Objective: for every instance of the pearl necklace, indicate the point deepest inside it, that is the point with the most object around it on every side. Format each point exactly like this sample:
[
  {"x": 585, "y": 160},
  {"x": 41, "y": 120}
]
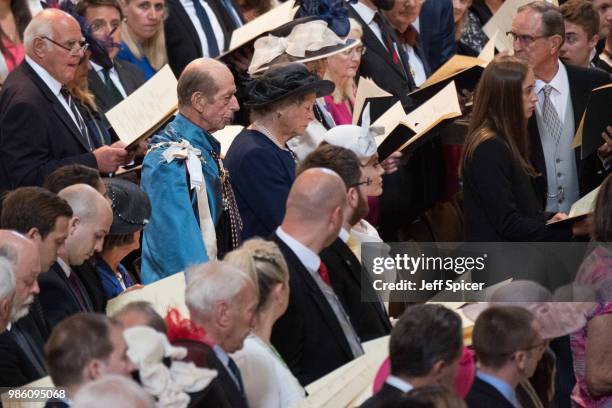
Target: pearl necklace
[{"x": 264, "y": 131}]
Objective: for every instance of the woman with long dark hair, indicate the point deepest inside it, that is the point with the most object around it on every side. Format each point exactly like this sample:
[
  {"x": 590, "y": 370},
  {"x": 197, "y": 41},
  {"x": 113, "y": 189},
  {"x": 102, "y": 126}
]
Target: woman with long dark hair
[
  {"x": 14, "y": 17},
  {"x": 500, "y": 201}
]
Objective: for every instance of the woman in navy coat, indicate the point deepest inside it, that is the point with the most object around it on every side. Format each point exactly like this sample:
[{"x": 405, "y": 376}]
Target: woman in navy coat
[{"x": 261, "y": 166}]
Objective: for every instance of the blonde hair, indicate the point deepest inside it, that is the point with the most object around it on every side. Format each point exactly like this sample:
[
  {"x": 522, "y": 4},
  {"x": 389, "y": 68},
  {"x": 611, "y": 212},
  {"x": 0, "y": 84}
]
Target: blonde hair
[
  {"x": 154, "y": 49},
  {"x": 264, "y": 263},
  {"x": 348, "y": 90}
]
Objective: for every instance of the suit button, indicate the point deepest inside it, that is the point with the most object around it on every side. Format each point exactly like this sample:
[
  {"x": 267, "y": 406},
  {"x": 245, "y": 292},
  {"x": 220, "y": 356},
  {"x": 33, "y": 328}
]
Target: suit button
[
  {"x": 558, "y": 160},
  {"x": 558, "y": 174}
]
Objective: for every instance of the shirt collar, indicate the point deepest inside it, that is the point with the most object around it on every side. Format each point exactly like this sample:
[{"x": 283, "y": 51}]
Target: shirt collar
[
  {"x": 557, "y": 82},
  {"x": 52, "y": 83},
  {"x": 8, "y": 326},
  {"x": 344, "y": 235},
  {"x": 398, "y": 383},
  {"x": 221, "y": 354},
  {"x": 417, "y": 26},
  {"x": 65, "y": 267},
  {"x": 309, "y": 259},
  {"x": 500, "y": 385},
  {"x": 97, "y": 67},
  {"x": 366, "y": 13}
]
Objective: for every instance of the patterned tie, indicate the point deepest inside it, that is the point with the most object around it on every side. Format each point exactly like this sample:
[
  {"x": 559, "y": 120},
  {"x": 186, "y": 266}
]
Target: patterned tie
[
  {"x": 76, "y": 289},
  {"x": 324, "y": 274},
  {"x": 211, "y": 40},
  {"x": 549, "y": 115},
  {"x": 116, "y": 94},
  {"x": 387, "y": 39},
  {"x": 77, "y": 116}
]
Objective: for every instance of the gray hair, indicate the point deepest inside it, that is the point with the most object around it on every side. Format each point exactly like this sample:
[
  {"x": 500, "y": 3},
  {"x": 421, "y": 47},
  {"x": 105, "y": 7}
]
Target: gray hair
[
  {"x": 41, "y": 25},
  {"x": 211, "y": 283},
  {"x": 7, "y": 278},
  {"x": 198, "y": 76},
  {"x": 112, "y": 391},
  {"x": 552, "y": 19}
]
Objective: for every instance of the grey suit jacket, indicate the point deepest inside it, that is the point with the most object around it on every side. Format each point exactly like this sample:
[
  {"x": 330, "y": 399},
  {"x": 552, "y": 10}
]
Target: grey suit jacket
[{"x": 130, "y": 76}]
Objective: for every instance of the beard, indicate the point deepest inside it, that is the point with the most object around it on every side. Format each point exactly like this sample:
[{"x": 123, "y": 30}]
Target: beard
[
  {"x": 21, "y": 310},
  {"x": 384, "y": 4},
  {"x": 361, "y": 211}
]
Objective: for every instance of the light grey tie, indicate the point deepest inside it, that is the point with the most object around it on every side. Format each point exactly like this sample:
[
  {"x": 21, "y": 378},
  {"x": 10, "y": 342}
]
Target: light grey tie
[{"x": 549, "y": 115}]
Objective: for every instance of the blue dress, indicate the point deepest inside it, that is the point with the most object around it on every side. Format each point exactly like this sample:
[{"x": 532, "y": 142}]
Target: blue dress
[
  {"x": 142, "y": 63},
  {"x": 172, "y": 240},
  {"x": 261, "y": 174},
  {"x": 110, "y": 282}
]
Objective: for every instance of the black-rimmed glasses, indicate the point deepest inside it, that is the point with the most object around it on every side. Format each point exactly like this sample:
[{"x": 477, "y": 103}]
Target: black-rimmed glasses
[
  {"x": 74, "y": 49},
  {"x": 367, "y": 182}
]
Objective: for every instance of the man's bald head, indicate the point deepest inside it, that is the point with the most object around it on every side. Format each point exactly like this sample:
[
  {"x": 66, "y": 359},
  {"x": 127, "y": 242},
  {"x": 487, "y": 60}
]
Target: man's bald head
[
  {"x": 315, "y": 194},
  {"x": 46, "y": 23},
  {"x": 200, "y": 75},
  {"x": 91, "y": 222},
  {"x": 22, "y": 253}
]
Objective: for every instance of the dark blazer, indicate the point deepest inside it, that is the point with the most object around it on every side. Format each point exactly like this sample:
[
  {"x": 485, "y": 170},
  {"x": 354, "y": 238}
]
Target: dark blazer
[
  {"x": 93, "y": 285},
  {"x": 499, "y": 200},
  {"x": 437, "y": 31},
  {"x": 54, "y": 403},
  {"x": 57, "y": 297},
  {"x": 130, "y": 76},
  {"x": 483, "y": 395},
  {"x": 21, "y": 351},
  {"x": 261, "y": 175},
  {"x": 182, "y": 41},
  {"x": 222, "y": 392},
  {"x": 37, "y": 134},
  {"x": 590, "y": 170},
  {"x": 378, "y": 65},
  {"x": 308, "y": 336},
  {"x": 369, "y": 319},
  {"x": 386, "y": 395}
]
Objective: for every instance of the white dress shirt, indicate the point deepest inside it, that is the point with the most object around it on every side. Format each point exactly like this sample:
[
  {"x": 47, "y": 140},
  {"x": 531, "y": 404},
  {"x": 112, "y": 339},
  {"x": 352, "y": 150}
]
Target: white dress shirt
[
  {"x": 214, "y": 23},
  {"x": 65, "y": 267},
  {"x": 367, "y": 15},
  {"x": 558, "y": 95},
  {"x": 398, "y": 383},
  {"x": 415, "y": 61},
  {"x": 307, "y": 257},
  {"x": 54, "y": 85},
  {"x": 114, "y": 76},
  {"x": 344, "y": 235}
]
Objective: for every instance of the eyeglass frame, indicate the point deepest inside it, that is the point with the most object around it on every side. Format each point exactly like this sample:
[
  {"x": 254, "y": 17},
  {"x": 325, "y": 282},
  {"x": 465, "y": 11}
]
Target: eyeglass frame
[
  {"x": 368, "y": 182},
  {"x": 83, "y": 45},
  {"x": 526, "y": 39},
  {"x": 351, "y": 51}
]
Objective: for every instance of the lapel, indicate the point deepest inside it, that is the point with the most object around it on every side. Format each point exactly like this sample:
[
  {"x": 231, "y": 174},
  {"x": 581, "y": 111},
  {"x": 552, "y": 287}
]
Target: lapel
[
  {"x": 99, "y": 88},
  {"x": 354, "y": 266},
  {"x": 185, "y": 21},
  {"x": 373, "y": 43},
  {"x": 418, "y": 49},
  {"x": 29, "y": 347},
  {"x": 316, "y": 295},
  {"x": 62, "y": 275},
  {"x": 229, "y": 387},
  {"x": 57, "y": 106},
  {"x": 127, "y": 81}
]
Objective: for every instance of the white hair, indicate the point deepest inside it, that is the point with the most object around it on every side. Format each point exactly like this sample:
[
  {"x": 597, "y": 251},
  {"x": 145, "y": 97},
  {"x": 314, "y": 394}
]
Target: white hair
[
  {"x": 211, "y": 283},
  {"x": 7, "y": 278},
  {"x": 40, "y": 26},
  {"x": 112, "y": 391}
]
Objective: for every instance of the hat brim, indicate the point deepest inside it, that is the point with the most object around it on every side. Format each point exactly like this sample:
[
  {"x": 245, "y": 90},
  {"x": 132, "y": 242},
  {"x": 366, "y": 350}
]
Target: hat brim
[
  {"x": 309, "y": 55},
  {"x": 321, "y": 87}
]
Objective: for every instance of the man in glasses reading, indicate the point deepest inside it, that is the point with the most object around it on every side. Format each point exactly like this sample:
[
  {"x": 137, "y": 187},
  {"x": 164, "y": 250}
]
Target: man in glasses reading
[{"x": 41, "y": 128}]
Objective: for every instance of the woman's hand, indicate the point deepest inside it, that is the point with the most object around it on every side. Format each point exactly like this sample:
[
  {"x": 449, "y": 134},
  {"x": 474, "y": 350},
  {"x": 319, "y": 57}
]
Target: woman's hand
[
  {"x": 391, "y": 164},
  {"x": 558, "y": 217},
  {"x": 134, "y": 287}
]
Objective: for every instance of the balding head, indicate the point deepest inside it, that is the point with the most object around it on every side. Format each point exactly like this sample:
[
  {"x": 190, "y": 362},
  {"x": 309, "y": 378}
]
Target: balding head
[
  {"x": 54, "y": 25},
  {"x": 21, "y": 252},
  {"x": 89, "y": 225},
  {"x": 315, "y": 204},
  {"x": 206, "y": 94}
]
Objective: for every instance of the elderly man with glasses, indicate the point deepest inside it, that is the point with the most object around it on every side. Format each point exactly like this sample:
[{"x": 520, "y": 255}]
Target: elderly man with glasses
[{"x": 41, "y": 128}]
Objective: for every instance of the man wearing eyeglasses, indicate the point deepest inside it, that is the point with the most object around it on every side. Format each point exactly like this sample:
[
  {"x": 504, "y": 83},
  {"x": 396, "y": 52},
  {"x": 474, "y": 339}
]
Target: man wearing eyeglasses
[
  {"x": 110, "y": 79},
  {"x": 40, "y": 127},
  {"x": 538, "y": 33}
]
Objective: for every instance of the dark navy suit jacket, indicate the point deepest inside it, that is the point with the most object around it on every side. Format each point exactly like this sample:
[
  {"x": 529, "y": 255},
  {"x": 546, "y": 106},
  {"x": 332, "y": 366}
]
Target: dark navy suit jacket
[
  {"x": 261, "y": 175},
  {"x": 437, "y": 32}
]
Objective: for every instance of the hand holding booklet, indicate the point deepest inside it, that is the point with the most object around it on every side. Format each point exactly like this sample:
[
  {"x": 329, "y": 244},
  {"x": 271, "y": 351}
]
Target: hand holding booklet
[
  {"x": 580, "y": 209},
  {"x": 406, "y": 132},
  {"x": 142, "y": 113}
]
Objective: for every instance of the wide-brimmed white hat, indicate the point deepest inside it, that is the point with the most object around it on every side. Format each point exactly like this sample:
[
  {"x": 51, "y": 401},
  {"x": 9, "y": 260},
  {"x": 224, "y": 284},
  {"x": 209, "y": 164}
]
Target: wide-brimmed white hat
[{"x": 309, "y": 41}]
